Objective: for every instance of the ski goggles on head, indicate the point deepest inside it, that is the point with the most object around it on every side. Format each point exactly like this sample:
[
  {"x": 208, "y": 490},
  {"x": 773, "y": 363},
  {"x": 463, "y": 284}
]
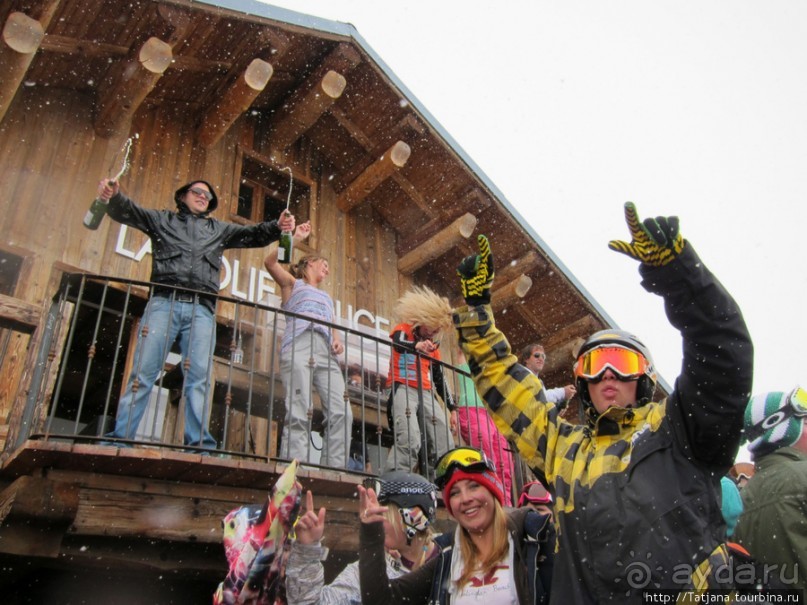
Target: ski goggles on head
[
  {"x": 627, "y": 364},
  {"x": 534, "y": 493},
  {"x": 466, "y": 458},
  {"x": 796, "y": 407}
]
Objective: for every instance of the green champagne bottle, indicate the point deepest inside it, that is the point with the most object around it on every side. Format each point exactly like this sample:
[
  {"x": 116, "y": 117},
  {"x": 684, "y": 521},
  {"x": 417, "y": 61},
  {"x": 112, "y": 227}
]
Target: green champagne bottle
[
  {"x": 285, "y": 247},
  {"x": 95, "y": 214}
]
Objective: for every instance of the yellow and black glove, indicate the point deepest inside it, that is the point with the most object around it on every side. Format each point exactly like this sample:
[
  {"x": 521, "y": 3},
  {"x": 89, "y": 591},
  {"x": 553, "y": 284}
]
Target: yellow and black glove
[
  {"x": 476, "y": 274},
  {"x": 655, "y": 242}
]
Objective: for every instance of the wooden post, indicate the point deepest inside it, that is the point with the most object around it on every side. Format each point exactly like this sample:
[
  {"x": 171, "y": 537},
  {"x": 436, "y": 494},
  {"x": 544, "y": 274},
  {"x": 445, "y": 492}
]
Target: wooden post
[
  {"x": 562, "y": 356},
  {"x": 300, "y": 114},
  {"x": 22, "y": 36},
  {"x": 234, "y": 102},
  {"x": 393, "y": 159},
  {"x": 128, "y": 84},
  {"x": 528, "y": 263},
  {"x": 438, "y": 244},
  {"x": 510, "y": 293}
]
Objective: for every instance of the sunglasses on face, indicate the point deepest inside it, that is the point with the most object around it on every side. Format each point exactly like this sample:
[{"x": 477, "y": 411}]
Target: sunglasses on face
[
  {"x": 539, "y": 355},
  {"x": 796, "y": 407},
  {"x": 534, "y": 493},
  {"x": 626, "y": 364},
  {"x": 202, "y": 193},
  {"x": 466, "y": 458}
]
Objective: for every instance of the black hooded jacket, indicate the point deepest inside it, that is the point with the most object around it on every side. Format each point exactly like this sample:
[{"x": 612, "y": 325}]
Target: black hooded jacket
[{"x": 187, "y": 248}]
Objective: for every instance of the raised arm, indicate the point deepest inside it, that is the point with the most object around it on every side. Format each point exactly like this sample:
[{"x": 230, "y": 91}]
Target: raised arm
[
  {"x": 413, "y": 587},
  {"x": 515, "y": 396},
  {"x": 279, "y": 273},
  {"x": 305, "y": 576},
  {"x": 707, "y": 404},
  {"x": 124, "y": 210}
]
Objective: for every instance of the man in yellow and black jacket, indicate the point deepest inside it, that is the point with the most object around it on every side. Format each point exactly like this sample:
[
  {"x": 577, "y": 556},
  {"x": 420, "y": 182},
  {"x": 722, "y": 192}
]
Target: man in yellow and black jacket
[{"x": 635, "y": 486}]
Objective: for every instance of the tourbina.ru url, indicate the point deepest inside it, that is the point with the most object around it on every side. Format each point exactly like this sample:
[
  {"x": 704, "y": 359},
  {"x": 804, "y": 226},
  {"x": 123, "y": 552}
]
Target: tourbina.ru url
[{"x": 790, "y": 596}]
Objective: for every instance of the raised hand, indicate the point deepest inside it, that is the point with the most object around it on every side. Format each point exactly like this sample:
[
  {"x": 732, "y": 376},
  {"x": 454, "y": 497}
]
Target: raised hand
[
  {"x": 107, "y": 188},
  {"x": 302, "y": 231},
  {"x": 655, "y": 242},
  {"x": 310, "y": 526},
  {"x": 286, "y": 221},
  {"x": 476, "y": 274},
  {"x": 370, "y": 511}
]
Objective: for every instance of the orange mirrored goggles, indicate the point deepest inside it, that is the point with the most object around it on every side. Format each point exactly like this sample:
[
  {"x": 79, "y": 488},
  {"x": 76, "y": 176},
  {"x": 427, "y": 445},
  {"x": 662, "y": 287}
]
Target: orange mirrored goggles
[
  {"x": 626, "y": 363},
  {"x": 466, "y": 458}
]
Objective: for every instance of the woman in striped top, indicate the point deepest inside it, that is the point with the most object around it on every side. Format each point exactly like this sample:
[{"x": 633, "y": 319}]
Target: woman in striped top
[{"x": 308, "y": 358}]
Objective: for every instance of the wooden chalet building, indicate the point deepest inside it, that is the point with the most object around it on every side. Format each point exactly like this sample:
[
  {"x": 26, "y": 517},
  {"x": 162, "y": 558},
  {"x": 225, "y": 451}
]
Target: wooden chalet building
[{"x": 233, "y": 92}]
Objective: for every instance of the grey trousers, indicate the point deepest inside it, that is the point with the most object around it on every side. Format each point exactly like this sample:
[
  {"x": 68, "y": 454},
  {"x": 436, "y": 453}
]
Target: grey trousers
[
  {"x": 407, "y": 413},
  {"x": 310, "y": 365}
]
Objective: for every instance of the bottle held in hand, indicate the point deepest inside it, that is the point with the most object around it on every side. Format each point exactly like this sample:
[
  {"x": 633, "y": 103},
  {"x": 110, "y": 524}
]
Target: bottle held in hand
[
  {"x": 95, "y": 214},
  {"x": 285, "y": 247}
]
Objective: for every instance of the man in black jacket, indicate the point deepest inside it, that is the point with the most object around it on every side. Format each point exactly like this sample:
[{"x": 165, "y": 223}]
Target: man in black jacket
[
  {"x": 636, "y": 486},
  {"x": 186, "y": 253}
]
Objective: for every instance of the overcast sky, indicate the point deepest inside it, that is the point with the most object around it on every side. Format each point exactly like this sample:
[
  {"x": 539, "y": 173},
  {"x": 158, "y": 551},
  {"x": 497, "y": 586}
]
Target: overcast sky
[{"x": 684, "y": 107}]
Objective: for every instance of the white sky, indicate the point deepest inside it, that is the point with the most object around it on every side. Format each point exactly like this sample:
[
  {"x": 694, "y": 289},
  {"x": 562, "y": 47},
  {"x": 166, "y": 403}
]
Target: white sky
[{"x": 573, "y": 107}]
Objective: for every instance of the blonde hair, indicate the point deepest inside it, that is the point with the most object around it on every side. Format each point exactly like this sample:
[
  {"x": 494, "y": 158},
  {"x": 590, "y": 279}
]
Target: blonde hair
[
  {"x": 474, "y": 564},
  {"x": 423, "y": 538},
  {"x": 298, "y": 270},
  {"x": 421, "y": 306}
]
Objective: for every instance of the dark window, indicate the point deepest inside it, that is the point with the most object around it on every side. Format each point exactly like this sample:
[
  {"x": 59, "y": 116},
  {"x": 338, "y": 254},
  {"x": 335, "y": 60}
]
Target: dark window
[{"x": 263, "y": 193}]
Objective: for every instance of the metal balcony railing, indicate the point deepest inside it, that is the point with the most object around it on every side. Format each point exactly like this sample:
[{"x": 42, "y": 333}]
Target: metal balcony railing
[{"x": 87, "y": 355}]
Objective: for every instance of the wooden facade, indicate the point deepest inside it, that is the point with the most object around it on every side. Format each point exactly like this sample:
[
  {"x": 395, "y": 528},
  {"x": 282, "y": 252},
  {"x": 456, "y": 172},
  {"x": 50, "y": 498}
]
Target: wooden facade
[{"x": 233, "y": 92}]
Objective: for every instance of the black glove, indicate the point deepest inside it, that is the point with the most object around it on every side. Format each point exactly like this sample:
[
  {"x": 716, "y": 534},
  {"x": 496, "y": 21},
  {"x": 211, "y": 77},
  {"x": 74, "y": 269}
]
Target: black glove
[
  {"x": 655, "y": 242},
  {"x": 476, "y": 274}
]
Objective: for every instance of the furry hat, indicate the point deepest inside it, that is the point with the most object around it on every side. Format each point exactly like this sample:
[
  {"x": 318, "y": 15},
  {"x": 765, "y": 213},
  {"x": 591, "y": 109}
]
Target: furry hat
[{"x": 421, "y": 306}]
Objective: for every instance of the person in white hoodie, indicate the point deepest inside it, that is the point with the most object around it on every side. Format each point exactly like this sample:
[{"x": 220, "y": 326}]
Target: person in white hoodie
[{"x": 408, "y": 542}]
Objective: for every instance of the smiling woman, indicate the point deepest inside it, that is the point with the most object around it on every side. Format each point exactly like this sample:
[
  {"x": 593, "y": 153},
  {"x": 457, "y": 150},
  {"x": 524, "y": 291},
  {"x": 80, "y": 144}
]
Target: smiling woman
[{"x": 504, "y": 556}]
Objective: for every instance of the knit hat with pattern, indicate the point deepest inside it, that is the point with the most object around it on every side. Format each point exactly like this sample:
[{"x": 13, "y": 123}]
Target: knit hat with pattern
[
  {"x": 486, "y": 479},
  {"x": 769, "y": 411}
]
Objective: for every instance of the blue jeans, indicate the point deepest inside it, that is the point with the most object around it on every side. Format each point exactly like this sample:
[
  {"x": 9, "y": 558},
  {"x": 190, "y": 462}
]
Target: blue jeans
[{"x": 164, "y": 322}]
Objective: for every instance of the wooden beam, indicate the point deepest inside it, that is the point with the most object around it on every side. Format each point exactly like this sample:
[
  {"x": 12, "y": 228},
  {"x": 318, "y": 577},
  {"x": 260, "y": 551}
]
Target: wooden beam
[
  {"x": 177, "y": 23},
  {"x": 300, "y": 113},
  {"x": 313, "y": 97},
  {"x": 437, "y": 245},
  {"x": 128, "y": 84},
  {"x": 35, "y": 514},
  {"x": 19, "y": 315},
  {"x": 22, "y": 36},
  {"x": 72, "y": 46},
  {"x": 582, "y": 327},
  {"x": 528, "y": 263},
  {"x": 234, "y": 102},
  {"x": 562, "y": 357},
  {"x": 408, "y": 124},
  {"x": 510, "y": 293},
  {"x": 393, "y": 159}
]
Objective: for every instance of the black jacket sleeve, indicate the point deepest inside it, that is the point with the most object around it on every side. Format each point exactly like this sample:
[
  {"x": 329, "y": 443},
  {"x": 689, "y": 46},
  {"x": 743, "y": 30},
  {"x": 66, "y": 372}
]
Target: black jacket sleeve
[
  {"x": 401, "y": 343},
  {"x": 707, "y": 404},
  {"x": 438, "y": 378},
  {"x": 376, "y": 588}
]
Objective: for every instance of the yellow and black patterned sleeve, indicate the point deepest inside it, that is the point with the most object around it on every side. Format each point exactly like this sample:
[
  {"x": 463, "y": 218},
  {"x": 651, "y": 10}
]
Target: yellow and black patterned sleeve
[{"x": 514, "y": 395}]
